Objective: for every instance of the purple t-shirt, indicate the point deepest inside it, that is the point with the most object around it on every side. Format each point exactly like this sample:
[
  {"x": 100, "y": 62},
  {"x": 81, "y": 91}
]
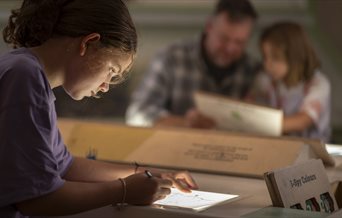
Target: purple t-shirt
[{"x": 33, "y": 157}]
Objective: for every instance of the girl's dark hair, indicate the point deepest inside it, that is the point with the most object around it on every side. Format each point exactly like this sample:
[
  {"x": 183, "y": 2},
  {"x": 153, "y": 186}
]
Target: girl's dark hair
[
  {"x": 39, "y": 20},
  {"x": 290, "y": 41}
]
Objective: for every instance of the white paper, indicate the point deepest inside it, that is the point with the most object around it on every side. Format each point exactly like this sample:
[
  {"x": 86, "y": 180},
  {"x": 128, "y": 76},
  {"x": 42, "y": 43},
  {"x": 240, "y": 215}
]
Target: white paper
[
  {"x": 196, "y": 200},
  {"x": 335, "y": 150},
  {"x": 239, "y": 116}
]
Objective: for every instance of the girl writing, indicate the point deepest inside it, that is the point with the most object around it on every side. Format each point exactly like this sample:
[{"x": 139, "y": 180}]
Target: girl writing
[{"x": 84, "y": 46}]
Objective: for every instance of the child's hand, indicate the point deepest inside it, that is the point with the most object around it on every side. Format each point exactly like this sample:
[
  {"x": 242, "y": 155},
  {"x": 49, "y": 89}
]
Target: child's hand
[
  {"x": 181, "y": 180},
  {"x": 142, "y": 190}
]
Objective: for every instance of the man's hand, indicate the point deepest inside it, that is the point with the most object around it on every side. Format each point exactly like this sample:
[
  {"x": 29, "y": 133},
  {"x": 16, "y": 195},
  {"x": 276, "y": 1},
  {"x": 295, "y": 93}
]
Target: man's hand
[{"x": 195, "y": 119}]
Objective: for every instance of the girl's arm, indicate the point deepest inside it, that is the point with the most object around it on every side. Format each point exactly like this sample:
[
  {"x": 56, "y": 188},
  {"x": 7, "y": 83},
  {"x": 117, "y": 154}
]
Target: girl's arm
[
  {"x": 297, "y": 122},
  {"x": 85, "y": 170},
  {"x": 73, "y": 197},
  {"x": 76, "y": 197},
  {"x": 315, "y": 107}
]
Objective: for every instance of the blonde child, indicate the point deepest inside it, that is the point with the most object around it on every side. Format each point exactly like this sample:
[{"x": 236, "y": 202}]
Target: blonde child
[{"x": 293, "y": 81}]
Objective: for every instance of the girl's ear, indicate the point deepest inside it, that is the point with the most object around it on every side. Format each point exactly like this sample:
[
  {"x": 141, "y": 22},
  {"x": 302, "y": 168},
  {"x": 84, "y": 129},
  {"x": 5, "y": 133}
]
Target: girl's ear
[{"x": 86, "y": 40}]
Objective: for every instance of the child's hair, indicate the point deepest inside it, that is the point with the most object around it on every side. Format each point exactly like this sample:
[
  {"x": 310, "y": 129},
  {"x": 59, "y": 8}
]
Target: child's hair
[
  {"x": 39, "y": 20},
  {"x": 291, "y": 42}
]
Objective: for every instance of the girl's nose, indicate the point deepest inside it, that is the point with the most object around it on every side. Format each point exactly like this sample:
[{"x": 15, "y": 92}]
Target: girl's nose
[{"x": 104, "y": 87}]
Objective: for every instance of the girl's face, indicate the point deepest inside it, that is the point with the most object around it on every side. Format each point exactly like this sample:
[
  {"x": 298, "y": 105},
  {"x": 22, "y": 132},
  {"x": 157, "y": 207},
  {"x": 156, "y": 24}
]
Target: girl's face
[
  {"x": 92, "y": 73},
  {"x": 274, "y": 63}
]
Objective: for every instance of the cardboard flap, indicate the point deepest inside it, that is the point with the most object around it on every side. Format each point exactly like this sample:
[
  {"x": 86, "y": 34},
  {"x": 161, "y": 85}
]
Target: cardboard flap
[
  {"x": 201, "y": 150},
  {"x": 215, "y": 152}
]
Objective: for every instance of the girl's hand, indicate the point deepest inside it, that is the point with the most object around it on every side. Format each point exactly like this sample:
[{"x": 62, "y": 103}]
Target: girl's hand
[
  {"x": 142, "y": 190},
  {"x": 181, "y": 180}
]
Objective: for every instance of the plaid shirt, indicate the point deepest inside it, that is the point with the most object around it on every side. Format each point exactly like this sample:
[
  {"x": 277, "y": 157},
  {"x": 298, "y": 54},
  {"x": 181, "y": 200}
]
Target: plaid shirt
[{"x": 175, "y": 74}]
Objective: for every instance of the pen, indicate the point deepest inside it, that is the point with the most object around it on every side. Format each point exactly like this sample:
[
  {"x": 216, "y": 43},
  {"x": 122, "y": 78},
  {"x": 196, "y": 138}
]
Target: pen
[{"x": 148, "y": 173}]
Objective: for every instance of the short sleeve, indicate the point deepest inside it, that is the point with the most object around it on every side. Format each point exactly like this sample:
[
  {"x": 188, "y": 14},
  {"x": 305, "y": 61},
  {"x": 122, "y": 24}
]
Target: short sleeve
[
  {"x": 317, "y": 98},
  {"x": 33, "y": 157}
]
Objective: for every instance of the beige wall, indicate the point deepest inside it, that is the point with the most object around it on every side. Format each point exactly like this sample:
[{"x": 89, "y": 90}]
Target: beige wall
[{"x": 329, "y": 19}]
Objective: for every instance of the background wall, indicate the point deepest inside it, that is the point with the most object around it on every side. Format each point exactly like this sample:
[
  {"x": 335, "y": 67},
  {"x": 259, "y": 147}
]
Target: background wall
[
  {"x": 328, "y": 36},
  {"x": 160, "y": 22}
]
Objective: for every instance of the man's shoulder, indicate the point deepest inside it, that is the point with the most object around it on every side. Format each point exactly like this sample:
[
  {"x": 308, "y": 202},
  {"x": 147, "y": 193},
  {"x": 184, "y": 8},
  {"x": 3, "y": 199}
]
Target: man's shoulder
[{"x": 185, "y": 45}]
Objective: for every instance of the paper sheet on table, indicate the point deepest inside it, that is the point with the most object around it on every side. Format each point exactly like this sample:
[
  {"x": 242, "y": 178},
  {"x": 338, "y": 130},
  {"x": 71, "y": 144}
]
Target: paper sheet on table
[
  {"x": 196, "y": 200},
  {"x": 335, "y": 150}
]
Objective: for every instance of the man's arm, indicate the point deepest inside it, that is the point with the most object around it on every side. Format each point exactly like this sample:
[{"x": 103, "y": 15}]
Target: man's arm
[
  {"x": 193, "y": 119},
  {"x": 171, "y": 120}
]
